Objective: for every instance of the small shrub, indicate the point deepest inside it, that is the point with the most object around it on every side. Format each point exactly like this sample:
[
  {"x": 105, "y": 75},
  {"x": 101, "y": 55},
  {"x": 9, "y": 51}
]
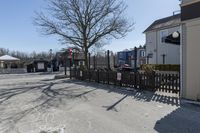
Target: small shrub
[{"x": 160, "y": 67}]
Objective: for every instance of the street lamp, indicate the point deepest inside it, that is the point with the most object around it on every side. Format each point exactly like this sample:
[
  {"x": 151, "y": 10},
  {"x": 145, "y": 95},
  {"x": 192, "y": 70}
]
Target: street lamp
[{"x": 175, "y": 35}]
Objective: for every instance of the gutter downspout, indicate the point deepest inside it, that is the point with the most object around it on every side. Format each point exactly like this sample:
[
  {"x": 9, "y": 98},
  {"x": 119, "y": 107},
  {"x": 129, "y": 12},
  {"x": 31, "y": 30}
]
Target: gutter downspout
[{"x": 181, "y": 60}]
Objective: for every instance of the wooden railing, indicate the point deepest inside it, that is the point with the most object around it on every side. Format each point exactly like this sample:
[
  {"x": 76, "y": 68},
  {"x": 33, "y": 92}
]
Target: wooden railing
[{"x": 164, "y": 82}]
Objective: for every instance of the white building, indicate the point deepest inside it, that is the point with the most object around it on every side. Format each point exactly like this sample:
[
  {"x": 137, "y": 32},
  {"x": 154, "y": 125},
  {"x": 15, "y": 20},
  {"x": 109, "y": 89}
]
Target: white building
[
  {"x": 190, "y": 16},
  {"x": 157, "y": 50}
]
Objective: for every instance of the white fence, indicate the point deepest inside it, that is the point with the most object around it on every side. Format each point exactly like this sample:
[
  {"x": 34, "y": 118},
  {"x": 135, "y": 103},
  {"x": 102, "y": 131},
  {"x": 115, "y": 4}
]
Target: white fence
[{"x": 13, "y": 71}]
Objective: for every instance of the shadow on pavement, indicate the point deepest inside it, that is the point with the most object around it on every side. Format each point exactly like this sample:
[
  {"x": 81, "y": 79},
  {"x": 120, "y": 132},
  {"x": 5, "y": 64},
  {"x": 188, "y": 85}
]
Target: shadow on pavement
[
  {"x": 51, "y": 96},
  {"x": 139, "y": 95},
  {"x": 185, "y": 119}
]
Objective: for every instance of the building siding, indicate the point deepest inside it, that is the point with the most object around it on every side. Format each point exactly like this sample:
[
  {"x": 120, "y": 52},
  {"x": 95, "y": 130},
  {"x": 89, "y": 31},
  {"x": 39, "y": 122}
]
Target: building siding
[
  {"x": 191, "y": 85},
  {"x": 158, "y": 48}
]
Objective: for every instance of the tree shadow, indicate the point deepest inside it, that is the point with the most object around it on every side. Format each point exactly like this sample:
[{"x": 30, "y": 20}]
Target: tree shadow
[
  {"x": 185, "y": 119},
  {"x": 113, "y": 107},
  {"x": 6, "y": 94},
  {"x": 49, "y": 97},
  {"x": 137, "y": 94}
]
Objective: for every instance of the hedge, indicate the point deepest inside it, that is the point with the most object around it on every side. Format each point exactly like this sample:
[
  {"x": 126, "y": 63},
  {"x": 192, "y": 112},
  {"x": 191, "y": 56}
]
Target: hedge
[{"x": 161, "y": 67}]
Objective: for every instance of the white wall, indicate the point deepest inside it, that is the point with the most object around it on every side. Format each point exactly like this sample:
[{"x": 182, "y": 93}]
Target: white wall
[
  {"x": 171, "y": 51},
  {"x": 158, "y": 48},
  {"x": 151, "y": 46},
  {"x": 191, "y": 62}
]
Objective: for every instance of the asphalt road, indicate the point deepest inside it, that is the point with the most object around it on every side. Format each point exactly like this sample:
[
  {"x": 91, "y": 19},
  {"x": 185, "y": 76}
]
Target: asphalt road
[{"x": 32, "y": 103}]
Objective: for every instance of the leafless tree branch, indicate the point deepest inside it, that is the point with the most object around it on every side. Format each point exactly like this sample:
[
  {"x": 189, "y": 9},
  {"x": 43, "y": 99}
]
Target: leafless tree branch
[{"x": 84, "y": 23}]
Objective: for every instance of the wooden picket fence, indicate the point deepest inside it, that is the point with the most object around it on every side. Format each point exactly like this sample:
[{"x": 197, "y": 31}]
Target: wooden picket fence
[{"x": 153, "y": 82}]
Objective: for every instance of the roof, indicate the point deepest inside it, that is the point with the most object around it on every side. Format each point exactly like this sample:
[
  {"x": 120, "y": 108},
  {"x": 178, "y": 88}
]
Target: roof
[
  {"x": 36, "y": 61},
  {"x": 165, "y": 22},
  {"x": 8, "y": 58}
]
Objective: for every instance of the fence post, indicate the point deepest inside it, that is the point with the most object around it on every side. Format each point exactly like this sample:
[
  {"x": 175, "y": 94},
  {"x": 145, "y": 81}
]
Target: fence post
[
  {"x": 94, "y": 61},
  {"x": 98, "y": 76},
  {"x": 135, "y": 66},
  {"x": 70, "y": 69},
  {"x": 65, "y": 66},
  {"x": 152, "y": 81},
  {"x": 108, "y": 58},
  {"x": 135, "y": 57},
  {"x": 89, "y": 68},
  {"x": 114, "y": 62},
  {"x": 89, "y": 61}
]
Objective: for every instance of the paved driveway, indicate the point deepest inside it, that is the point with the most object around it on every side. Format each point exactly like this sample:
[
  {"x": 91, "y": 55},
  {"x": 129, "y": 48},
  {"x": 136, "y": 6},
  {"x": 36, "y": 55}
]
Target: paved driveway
[{"x": 32, "y": 103}]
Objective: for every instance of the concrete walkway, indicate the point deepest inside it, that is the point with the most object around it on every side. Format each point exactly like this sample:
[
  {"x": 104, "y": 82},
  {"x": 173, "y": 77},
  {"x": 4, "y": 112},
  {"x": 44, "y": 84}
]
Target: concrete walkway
[{"x": 36, "y": 103}]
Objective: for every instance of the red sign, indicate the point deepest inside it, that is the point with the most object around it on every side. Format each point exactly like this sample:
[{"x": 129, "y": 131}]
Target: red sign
[{"x": 70, "y": 53}]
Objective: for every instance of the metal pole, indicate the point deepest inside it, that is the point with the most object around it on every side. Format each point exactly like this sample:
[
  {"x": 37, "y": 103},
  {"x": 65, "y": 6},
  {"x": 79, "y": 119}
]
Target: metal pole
[
  {"x": 89, "y": 61},
  {"x": 65, "y": 61},
  {"x": 51, "y": 60},
  {"x": 135, "y": 57},
  {"x": 73, "y": 61},
  {"x": 108, "y": 57},
  {"x": 94, "y": 61},
  {"x": 114, "y": 62},
  {"x": 135, "y": 67},
  {"x": 70, "y": 69}
]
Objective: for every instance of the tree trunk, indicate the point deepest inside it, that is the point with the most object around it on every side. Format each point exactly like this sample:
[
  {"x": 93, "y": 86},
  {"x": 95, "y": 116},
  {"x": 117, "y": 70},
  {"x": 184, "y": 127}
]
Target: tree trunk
[{"x": 86, "y": 58}]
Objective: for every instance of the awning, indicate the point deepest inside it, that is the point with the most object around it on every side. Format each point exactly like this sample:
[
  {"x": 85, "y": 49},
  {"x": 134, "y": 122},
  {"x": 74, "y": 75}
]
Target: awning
[
  {"x": 170, "y": 39},
  {"x": 8, "y": 58}
]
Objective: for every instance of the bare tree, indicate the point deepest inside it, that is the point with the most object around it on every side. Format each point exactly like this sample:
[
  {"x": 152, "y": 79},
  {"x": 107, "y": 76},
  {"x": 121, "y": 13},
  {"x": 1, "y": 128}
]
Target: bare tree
[{"x": 84, "y": 23}]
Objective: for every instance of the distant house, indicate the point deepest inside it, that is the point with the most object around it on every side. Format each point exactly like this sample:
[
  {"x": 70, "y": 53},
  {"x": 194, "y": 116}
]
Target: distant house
[
  {"x": 37, "y": 65},
  {"x": 9, "y": 64},
  {"x": 141, "y": 55},
  {"x": 63, "y": 58},
  {"x": 124, "y": 57},
  {"x": 161, "y": 48},
  {"x": 128, "y": 57},
  {"x": 8, "y": 61}
]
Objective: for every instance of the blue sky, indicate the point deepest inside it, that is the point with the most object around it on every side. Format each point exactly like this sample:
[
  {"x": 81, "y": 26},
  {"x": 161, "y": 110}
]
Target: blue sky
[{"x": 17, "y": 31}]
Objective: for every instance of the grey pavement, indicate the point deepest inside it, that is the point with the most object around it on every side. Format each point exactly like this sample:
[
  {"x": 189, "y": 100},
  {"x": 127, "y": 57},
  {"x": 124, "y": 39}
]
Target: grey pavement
[{"x": 37, "y": 103}]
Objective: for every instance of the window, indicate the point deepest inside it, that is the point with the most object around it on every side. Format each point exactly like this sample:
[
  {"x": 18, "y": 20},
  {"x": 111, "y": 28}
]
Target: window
[
  {"x": 142, "y": 53},
  {"x": 163, "y": 35},
  {"x": 150, "y": 55},
  {"x": 121, "y": 55}
]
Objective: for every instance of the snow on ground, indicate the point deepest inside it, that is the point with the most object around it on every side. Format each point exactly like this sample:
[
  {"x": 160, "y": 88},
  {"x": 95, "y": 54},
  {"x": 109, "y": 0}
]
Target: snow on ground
[{"x": 36, "y": 103}]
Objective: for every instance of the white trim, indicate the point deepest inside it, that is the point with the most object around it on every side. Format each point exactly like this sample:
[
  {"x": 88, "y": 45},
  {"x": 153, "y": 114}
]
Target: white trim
[
  {"x": 181, "y": 61},
  {"x": 163, "y": 28}
]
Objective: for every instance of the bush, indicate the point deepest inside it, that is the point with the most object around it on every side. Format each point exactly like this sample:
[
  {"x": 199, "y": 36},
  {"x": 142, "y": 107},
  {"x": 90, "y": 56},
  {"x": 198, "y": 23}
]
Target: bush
[
  {"x": 160, "y": 67},
  {"x": 149, "y": 69},
  {"x": 83, "y": 68}
]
